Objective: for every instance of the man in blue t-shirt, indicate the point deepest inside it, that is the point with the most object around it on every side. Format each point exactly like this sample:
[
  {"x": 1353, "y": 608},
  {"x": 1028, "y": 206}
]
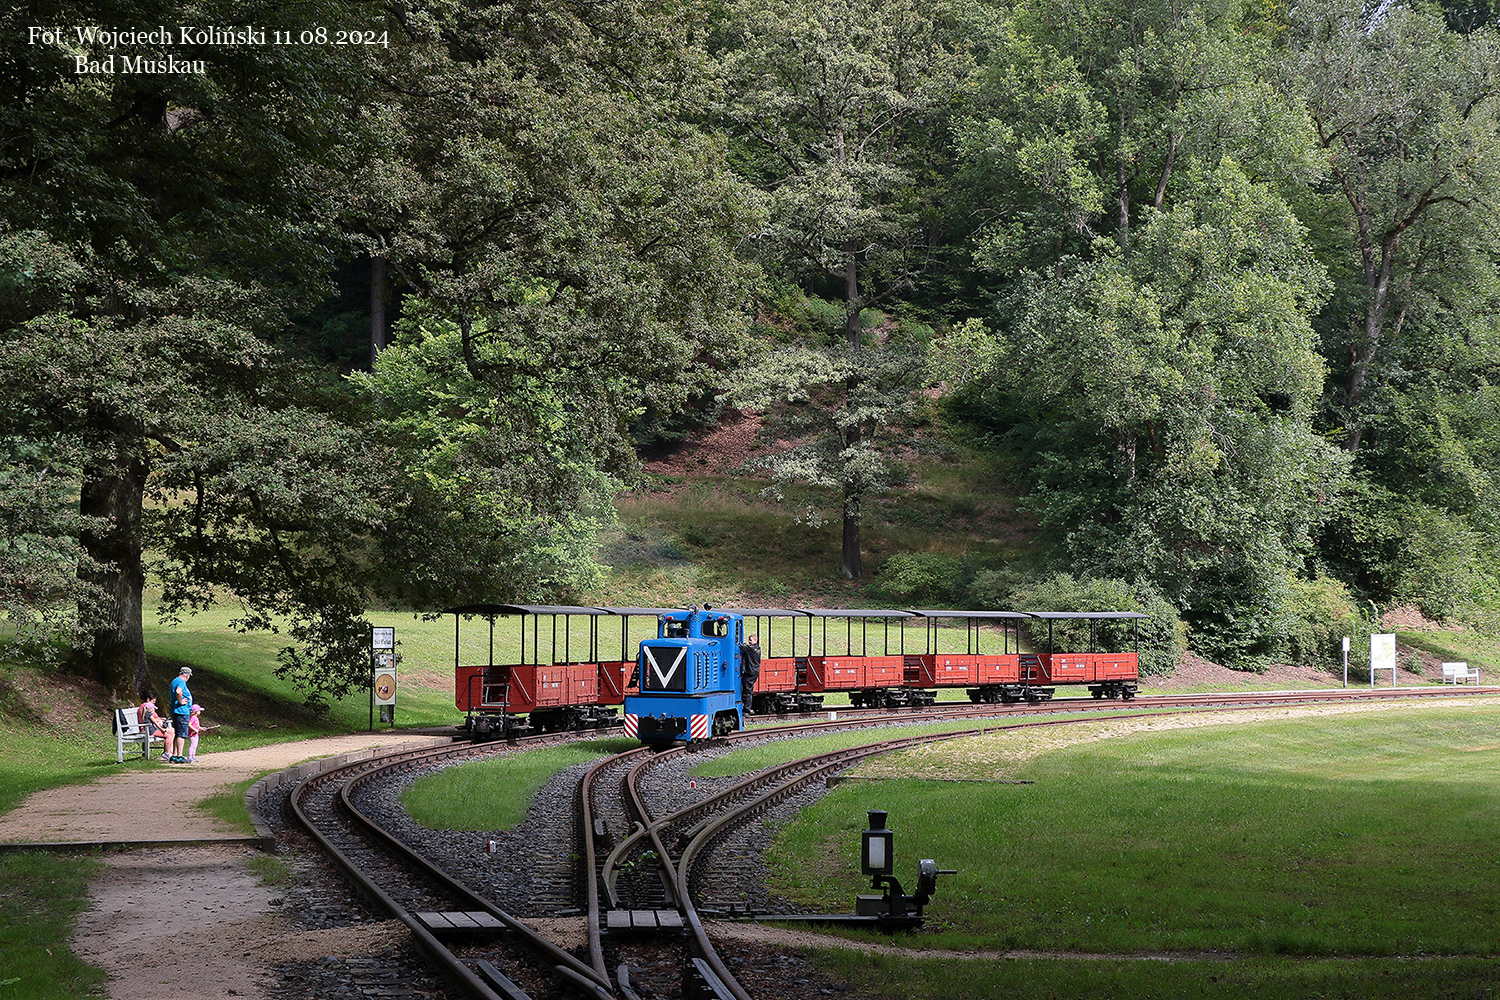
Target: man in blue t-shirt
[{"x": 182, "y": 714}]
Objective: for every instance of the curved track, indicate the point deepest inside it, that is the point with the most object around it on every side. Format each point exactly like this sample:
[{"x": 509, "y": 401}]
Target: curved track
[{"x": 639, "y": 865}]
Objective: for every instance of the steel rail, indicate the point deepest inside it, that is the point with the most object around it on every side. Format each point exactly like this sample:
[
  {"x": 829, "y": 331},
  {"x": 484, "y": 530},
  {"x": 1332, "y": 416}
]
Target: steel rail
[
  {"x": 438, "y": 953},
  {"x": 797, "y": 774},
  {"x": 562, "y": 961},
  {"x": 588, "y": 831},
  {"x": 951, "y": 710}
]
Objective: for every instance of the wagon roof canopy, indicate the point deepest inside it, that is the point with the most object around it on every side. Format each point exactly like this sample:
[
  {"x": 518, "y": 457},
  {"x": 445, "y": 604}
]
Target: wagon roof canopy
[
  {"x": 856, "y": 613},
  {"x": 944, "y": 613},
  {"x": 642, "y": 611},
  {"x": 1088, "y": 614},
  {"x": 522, "y": 609},
  {"x": 764, "y": 612}
]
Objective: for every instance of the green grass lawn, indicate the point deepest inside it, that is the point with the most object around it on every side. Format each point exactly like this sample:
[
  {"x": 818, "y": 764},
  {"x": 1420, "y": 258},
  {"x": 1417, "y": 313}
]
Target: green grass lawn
[
  {"x": 494, "y": 794},
  {"x": 41, "y": 896},
  {"x": 1352, "y": 838},
  {"x": 1212, "y": 978}
]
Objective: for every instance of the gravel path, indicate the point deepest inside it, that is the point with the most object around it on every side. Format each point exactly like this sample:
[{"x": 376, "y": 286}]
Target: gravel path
[
  {"x": 191, "y": 920},
  {"x": 155, "y": 802}
]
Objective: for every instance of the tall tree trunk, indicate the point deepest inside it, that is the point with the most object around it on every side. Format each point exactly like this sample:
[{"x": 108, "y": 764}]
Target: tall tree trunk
[
  {"x": 1378, "y": 264},
  {"x": 380, "y": 328},
  {"x": 111, "y": 498},
  {"x": 1122, "y": 182},
  {"x": 850, "y": 563}
]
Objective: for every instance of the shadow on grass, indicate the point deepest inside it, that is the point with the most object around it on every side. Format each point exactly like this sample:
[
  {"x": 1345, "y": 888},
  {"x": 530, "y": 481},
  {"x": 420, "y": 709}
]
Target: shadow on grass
[{"x": 237, "y": 704}]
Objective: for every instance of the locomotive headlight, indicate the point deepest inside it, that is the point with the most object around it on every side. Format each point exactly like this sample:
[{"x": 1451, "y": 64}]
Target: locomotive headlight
[{"x": 875, "y": 846}]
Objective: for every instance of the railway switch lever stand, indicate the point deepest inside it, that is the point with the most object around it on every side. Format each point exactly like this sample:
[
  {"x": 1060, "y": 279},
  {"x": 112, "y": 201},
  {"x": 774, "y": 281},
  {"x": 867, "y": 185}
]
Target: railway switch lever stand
[{"x": 893, "y": 909}]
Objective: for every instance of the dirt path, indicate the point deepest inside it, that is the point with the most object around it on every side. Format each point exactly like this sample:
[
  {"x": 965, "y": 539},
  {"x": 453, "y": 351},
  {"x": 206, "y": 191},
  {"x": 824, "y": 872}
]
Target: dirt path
[
  {"x": 190, "y": 921},
  {"x": 151, "y": 802},
  {"x": 196, "y": 922}
]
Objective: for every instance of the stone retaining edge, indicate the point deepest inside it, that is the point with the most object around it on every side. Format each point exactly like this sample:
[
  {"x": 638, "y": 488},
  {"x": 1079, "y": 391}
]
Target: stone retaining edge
[
  {"x": 267, "y": 844},
  {"x": 301, "y": 772}
]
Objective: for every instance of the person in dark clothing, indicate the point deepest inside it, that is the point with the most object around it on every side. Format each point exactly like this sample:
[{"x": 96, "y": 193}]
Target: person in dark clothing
[{"x": 749, "y": 669}]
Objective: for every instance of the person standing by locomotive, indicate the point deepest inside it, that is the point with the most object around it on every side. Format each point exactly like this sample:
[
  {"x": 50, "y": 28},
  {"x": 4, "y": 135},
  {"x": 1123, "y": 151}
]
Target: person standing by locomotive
[
  {"x": 182, "y": 714},
  {"x": 749, "y": 669}
]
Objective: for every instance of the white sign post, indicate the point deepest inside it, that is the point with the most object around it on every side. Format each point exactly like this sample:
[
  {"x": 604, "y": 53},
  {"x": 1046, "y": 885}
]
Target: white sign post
[
  {"x": 1346, "y": 661},
  {"x": 1382, "y": 656}
]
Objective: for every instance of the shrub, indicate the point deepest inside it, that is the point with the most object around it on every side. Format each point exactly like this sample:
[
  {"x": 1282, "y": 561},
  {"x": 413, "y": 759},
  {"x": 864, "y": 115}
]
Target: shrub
[
  {"x": 922, "y": 577},
  {"x": 991, "y": 589},
  {"x": 1163, "y": 636},
  {"x": 1319, "y": 614},
  {"x": 1436, "y": 567}
]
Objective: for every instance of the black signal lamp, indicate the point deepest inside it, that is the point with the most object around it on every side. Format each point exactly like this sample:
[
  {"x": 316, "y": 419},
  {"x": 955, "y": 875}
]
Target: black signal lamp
[{"x": 875, "y": 849}]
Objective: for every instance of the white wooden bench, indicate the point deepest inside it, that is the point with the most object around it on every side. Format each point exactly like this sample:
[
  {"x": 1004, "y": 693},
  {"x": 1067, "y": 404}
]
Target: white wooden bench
[
  {"x": 129, "y": 729},
  {"x": 1460, "y": 673}
]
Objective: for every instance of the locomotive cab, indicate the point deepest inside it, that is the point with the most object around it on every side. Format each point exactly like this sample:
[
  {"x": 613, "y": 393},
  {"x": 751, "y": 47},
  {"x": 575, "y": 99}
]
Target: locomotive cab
[{"x": 689, "y": 679}]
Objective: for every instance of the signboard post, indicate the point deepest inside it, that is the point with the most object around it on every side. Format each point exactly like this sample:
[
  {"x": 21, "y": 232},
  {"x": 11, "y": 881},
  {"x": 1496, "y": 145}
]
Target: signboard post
[
  {"x": 1382, "y": 656},
  {"x": 382, "y": 674},
  {"x": 1346, "y": 661}
]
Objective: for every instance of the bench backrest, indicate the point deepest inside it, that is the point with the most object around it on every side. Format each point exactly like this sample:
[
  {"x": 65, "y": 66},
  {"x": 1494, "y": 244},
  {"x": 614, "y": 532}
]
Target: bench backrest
[{"x": 128, "y": 721}]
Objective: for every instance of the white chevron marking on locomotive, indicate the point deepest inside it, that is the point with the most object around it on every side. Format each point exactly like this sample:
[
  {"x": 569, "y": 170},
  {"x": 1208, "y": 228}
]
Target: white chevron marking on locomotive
[{"x": 662, "y": 679}]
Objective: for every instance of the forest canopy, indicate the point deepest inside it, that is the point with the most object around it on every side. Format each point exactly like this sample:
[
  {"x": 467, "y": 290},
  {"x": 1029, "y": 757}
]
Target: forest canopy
[{"x": 1223, "y": 279}]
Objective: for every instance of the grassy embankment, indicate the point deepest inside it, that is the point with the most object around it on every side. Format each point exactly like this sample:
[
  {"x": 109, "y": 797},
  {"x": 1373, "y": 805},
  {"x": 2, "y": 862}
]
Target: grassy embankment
[
  {"x": 712, "y": 538},
  {"x": 1339, "y": 855}
]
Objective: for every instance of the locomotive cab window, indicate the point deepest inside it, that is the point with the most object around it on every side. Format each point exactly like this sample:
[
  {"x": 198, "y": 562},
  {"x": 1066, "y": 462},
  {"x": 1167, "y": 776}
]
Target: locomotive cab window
[
  {"x": 715, "y": 628},
  {"x": 674, "y": 630}
]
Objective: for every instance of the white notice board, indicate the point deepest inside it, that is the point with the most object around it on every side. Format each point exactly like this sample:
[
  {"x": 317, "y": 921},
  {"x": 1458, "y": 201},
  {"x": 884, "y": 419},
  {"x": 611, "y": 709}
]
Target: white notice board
[{"x": 1382, "y": 656}]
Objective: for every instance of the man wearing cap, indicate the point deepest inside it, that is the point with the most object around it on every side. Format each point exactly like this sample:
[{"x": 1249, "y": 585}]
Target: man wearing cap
[{"x": 182, "y": 714}]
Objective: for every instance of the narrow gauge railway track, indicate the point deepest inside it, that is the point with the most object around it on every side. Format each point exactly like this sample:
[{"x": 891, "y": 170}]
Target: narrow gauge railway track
[
  {"x": 847, "y": 717},
  {"x": 612, "y": 810},
  {"x": 641, "y": 891},
  {"x": 482, "y": 949},
  {"x": 628, "y": 911}
]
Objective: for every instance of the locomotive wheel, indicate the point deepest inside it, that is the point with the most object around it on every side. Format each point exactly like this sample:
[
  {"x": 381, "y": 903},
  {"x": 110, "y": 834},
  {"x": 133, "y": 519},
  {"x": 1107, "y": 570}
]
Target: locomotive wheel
[{"x": 1098, "y": 693}]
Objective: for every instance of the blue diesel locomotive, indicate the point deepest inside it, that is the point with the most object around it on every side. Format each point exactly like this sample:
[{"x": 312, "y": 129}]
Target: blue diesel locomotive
[{"x": 694, "y": 678}]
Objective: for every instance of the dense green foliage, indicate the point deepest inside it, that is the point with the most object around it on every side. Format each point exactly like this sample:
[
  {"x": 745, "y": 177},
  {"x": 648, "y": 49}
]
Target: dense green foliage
[{"x": 1218, "y": 283}]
